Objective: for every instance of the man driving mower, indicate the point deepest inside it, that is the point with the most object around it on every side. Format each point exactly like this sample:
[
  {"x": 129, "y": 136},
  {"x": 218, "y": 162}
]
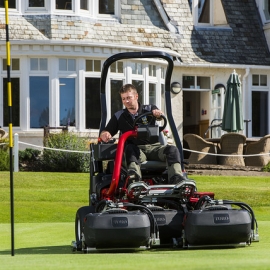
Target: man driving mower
[{"x": 138, "y": 150}]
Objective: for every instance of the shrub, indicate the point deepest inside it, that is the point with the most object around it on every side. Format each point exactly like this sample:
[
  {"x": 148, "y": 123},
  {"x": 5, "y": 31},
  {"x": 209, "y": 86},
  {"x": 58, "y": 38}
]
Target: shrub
[
  {"x": 4, "y": 156},
  {"x": 29, "y": 160},
  {"x": 266, "y": 168},
  {"x": 60, "y": 161}
]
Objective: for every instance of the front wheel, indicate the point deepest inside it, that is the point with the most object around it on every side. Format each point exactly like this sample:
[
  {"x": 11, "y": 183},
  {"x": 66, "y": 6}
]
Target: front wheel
[{"x": 79, "y": 223}]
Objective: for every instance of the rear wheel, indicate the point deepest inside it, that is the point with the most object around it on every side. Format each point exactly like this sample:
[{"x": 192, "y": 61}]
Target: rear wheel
[{"x": 79, "y": 223}]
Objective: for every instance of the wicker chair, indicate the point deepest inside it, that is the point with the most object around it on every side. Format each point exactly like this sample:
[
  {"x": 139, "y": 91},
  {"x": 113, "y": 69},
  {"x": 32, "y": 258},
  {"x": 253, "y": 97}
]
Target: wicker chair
[
  {"x": 3, "y": 134},
  {"x": 197, "y": 143},
  {"x": 259, "y": 147},
  {"x": 232, "y": 144}
]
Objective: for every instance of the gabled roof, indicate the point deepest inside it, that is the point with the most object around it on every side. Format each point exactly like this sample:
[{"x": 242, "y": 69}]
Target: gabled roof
[{"x": 243, "y": 43}]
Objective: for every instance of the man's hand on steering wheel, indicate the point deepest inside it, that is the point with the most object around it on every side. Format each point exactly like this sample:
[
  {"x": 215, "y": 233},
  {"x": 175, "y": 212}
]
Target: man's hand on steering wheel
[{"x": 158, "y": 115}]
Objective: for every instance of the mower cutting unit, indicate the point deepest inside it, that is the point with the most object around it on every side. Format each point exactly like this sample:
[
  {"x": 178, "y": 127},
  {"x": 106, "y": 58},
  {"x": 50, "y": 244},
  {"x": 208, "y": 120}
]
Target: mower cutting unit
[{"x": 151, "y": 213}]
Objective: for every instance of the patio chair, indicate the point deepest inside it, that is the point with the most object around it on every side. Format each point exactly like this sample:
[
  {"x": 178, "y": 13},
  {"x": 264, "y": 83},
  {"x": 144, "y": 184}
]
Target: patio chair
[
  {"x": 232, "y": 144},
  {"x": 3, "y": 134},
  {"x": 197, "y": 143},
  {"x": 259, "y": 147}
]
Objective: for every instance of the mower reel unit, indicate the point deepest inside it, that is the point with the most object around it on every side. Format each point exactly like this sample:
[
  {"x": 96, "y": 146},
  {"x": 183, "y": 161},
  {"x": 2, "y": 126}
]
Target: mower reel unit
[{"x": 152, "y": 213}]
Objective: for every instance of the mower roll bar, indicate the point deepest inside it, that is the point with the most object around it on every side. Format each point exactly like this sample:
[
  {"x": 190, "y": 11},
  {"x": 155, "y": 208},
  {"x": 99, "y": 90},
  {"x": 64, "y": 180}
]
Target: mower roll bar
[{"x": 150, "y": 54}]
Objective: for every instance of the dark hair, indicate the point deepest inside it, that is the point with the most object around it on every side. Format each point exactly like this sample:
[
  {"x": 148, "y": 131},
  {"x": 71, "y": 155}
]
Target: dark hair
[{"x": 127, "y": 87}]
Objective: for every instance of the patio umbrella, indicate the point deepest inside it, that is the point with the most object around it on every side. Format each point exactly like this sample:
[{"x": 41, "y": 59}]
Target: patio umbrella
[{"x": 232, "y": 120}]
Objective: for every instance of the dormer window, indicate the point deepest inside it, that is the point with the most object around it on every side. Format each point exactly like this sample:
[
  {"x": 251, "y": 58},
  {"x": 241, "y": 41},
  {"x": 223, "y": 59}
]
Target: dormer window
[{"x": 208, "y": 13}]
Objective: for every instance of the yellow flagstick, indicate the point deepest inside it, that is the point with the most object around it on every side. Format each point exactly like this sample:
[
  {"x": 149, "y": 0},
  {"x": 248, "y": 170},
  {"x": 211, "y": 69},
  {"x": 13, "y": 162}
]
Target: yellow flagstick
[{"x": 10, "y": 131}]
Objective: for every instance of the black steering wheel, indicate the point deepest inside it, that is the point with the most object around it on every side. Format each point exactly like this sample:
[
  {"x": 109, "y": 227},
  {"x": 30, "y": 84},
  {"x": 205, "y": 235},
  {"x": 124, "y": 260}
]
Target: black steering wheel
[{"x": 150, "y": 114}]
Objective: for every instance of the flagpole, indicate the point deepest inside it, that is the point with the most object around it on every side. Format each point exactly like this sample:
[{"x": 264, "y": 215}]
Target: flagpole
[{"x": 10, "y": 131}]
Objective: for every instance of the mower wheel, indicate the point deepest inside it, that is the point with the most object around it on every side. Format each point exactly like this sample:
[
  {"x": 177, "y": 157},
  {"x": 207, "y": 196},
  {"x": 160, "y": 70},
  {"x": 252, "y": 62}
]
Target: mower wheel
[{"x": 79, "y": 220}]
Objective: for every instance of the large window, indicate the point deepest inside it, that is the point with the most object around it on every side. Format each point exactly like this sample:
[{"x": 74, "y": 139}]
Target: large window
[
  {"x": 15, "y": 90},
  {"x": 39, "y": 101},
  {"x": 67, "y": 101},
  {"x": 92, "y": 103}
]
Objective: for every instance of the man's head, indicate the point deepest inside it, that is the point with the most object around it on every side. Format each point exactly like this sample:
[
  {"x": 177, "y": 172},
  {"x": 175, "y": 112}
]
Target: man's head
[{"x": 129, "y": 96}]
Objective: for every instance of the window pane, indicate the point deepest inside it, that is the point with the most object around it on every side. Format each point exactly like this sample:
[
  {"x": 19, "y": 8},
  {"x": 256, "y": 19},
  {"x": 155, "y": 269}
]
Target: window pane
[
  {"x": 203, "y": 82},
  {"x": 15, "y": 63},
  {"x": 39, "y": 102},
  {"x": 152, "y": 94},
  {"x": 106, "y": 7},
  {"x": 97, "y": 65},
  {"x": 71, "y": 65},
  {"x": 63, "y": 64},
  {"x": 34, "y": 63},
  {"x": 43, "y": 62},
  {"x": 152, "y": 70},
  {"x": 11, "y": 4},
  {"x": 4, "y": 64},
  {"x": 266, "y": 9},
  {"x": 67, "y": 101},
  {"x": 162, "y": 73},
  {"x": 15, "y": 89},
  {"x": 120, "y": 67},
  {"x": 116, "y": 102},
  {"x": 92, "y": 103},
  {"x": 136, "y": 68},
  {"x": 255, "y": 80},
  {"x": 204, "y": 11},
  {"x": 84, "y": 4},
  {"x": 263, "y": 80},
  {"x": 63, "y": 4},
  {"x": 36, "y": 3},
  {"x": 260, "y": 113},
  {"x": 113, "y": 67},
  {"x": 139, "y": 86},
  {"x": 163, "y": 104},
  {"x": 188, "y": 82},
  {"x": 89, "y": 65}
]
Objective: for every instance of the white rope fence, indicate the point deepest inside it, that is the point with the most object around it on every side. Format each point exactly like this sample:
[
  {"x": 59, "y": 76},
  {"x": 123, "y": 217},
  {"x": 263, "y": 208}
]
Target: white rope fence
[
  {"x": 55, "y": 149},
  {"x": 17, "y": 142}
]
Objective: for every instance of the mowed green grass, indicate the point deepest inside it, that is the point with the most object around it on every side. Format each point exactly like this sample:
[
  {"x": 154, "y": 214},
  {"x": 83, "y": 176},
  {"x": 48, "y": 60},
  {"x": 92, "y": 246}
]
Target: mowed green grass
[{"x": 45, "y": 207}]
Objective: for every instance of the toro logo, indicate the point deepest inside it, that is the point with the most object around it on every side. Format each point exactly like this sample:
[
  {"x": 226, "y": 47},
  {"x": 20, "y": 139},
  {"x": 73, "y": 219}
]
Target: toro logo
[
  {"x": 119, "y": 222},
  {"x": 161, "y": 219},
  {"x": 221, "y": 218}
]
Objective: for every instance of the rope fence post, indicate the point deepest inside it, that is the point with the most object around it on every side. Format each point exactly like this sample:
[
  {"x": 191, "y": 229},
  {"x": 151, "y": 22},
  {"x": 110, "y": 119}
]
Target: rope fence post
[{"x": 16, "y": 152}]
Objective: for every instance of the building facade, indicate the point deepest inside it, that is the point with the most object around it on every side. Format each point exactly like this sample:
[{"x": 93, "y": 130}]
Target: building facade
[{"x": 58, "y": 48}]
